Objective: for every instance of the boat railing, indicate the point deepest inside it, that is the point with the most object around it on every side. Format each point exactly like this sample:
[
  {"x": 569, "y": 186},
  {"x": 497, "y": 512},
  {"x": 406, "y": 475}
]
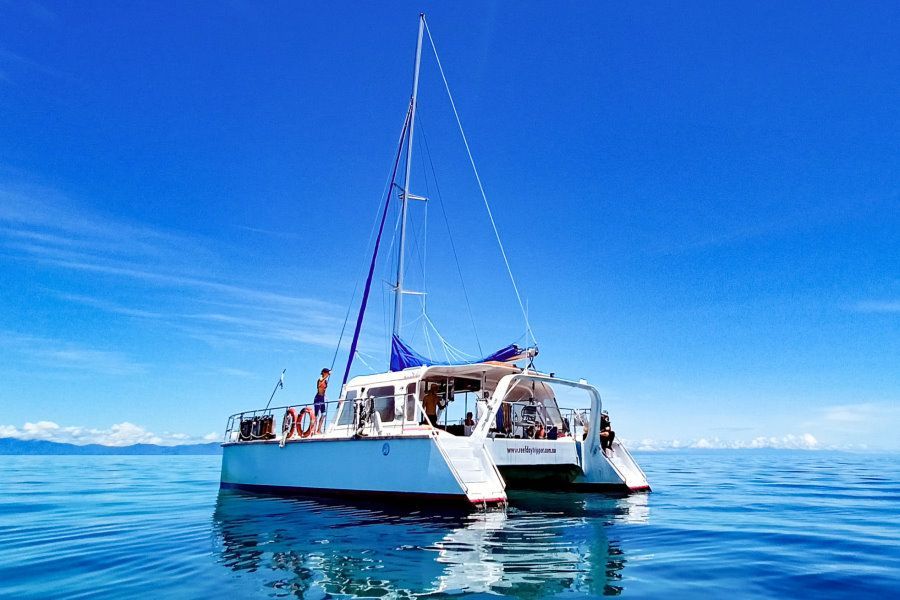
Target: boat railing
[
  {"x": 521, "y": 421},
  {"x": 262, "y": 421},
  {"x": 260, "y": 424},
  {"x": 575, "y": 416},
  {"x": 407, "y": 405}
]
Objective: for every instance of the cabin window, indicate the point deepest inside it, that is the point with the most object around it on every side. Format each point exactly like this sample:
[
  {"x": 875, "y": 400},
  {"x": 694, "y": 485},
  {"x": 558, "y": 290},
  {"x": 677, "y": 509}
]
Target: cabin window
[
  {"x": 384, "y": 402},
  {"x": 411, "y": 402},
  {"x": 346, "y": 417}
]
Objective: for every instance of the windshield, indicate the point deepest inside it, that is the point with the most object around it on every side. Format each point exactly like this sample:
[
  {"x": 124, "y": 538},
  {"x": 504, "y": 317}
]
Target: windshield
[{"x": 532, "y": 403}]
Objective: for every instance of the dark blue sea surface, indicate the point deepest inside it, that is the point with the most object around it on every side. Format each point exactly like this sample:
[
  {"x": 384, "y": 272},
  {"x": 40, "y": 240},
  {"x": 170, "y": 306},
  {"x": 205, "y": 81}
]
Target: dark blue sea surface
[{"x": 741, "y": 524}]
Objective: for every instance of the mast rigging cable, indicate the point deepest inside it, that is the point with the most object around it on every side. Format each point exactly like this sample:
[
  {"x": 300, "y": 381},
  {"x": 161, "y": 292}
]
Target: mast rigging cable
[{"x": 480, "y": 186}]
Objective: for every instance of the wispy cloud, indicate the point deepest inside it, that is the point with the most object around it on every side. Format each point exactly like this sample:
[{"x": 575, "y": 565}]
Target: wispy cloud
[
  {"x": 56, "y": 354},
  {"x": 40, "y": 12},
  {"x": 23, "y": 67},
  {"x": 32, "y": 9},
  {"x": 111, "y": 307},
  {"x": 121, "y": 434},
  {"x": 877, "y": 306},
  {"x": 43, "y": 227},
  {"x": 56, "y": 226},
  {"x": 268, "y": 232},
  {"x": 850, "y": 413},
  {"x": 858, "y": 415},
  {"x": 241, "y": 373},
  {"x": 236, "y": 321}
]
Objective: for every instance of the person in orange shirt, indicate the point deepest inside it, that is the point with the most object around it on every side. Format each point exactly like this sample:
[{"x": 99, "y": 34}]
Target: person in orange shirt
[
  {"x": 432, "y": 402},
  {"x": 319, "y": 400}
]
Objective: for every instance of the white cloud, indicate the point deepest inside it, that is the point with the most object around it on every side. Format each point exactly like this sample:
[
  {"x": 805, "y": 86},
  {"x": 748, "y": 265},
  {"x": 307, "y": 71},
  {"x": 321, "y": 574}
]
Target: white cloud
[
  {"x": 120, "y": 434},
  {"x": 805, "y": 441},
  {"x": 872, "y": 423}
]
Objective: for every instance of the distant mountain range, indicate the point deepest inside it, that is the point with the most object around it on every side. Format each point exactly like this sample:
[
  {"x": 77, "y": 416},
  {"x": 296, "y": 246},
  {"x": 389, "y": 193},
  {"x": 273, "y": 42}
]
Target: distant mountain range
[{"x": 16, "y": 446}]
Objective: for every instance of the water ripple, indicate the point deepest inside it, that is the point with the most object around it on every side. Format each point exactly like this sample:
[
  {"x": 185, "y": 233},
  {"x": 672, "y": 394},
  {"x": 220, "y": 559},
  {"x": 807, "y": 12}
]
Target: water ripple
[{"x": 738, "y": 523}]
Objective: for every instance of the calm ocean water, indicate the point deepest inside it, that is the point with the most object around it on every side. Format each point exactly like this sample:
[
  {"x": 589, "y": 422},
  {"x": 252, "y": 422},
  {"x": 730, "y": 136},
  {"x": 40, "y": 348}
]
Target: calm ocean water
[{"x": 745, "y": 524}]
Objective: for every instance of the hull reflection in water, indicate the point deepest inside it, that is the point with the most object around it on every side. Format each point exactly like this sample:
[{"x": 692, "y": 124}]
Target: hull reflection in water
[{"x": 298, "y": 547}]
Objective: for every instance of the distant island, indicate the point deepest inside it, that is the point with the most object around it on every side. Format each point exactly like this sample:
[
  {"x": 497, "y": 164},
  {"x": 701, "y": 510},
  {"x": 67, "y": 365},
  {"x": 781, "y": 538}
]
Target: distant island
[{"x": 10, "y": 446}]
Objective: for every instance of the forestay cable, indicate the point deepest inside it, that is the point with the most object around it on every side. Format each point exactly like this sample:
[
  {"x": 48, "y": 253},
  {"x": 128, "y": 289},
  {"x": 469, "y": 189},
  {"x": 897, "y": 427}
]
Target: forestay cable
[{"x": 480, "y": 186}]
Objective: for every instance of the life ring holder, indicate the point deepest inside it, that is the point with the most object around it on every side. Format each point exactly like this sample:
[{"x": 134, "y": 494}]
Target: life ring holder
[
  {"x": 288, "y": 423},
  {"x": 305, "y": 432}
]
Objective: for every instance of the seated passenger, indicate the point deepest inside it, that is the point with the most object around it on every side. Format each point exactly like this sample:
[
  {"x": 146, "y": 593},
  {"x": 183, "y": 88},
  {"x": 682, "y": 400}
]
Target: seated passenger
[
  {"x": 504, "y": 421},
  {"x": 539, "y": 432},
  {"x": 607, "y": 435}
]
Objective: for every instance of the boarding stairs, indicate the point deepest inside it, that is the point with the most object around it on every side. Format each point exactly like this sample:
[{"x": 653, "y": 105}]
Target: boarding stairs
[{"x": 473, "y": 468}]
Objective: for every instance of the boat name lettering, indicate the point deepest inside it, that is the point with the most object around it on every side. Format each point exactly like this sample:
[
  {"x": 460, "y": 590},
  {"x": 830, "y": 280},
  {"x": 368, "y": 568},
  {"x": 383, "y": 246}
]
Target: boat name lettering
[{"x": 530, "y": 450}]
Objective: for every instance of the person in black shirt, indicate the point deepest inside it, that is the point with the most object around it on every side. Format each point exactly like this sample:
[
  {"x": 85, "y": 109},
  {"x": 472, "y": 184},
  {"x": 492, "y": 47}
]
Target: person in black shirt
[{"x": 607, "y": 435}]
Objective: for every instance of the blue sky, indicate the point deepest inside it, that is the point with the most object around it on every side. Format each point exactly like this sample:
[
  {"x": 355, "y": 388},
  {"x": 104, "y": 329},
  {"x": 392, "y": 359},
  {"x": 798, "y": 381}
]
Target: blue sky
[{"x": 701, "y": 204}]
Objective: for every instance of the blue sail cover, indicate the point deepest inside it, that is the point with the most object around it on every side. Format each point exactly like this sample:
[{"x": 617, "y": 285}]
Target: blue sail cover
[{"x": 404, "y": 357}]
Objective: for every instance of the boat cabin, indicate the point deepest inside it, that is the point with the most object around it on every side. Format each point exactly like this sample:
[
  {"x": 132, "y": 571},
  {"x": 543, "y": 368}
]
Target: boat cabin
[{"x": 395, "y": 403}]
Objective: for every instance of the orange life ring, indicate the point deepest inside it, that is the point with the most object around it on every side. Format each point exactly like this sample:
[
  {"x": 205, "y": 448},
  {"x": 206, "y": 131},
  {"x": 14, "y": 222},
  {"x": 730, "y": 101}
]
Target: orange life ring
[
  {"x": 288, "y": 422},
  {"x": 305, "y": 432}
]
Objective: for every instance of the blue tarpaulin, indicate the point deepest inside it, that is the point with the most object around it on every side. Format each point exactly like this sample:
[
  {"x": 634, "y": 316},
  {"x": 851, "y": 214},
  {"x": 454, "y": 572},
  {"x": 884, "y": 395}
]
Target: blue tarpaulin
[{"x": 404, "y": 357}]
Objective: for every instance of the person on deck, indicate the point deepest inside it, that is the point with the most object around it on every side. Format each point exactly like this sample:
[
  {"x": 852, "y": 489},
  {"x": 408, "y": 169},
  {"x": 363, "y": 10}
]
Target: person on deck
[
  {"x": 319, "y": 400},
  {"x": 481, "y": 406},
  {"x": 432, "y": 402},
  {"x": 607, "y": 435},
  {"x": 469, "y": 424}
]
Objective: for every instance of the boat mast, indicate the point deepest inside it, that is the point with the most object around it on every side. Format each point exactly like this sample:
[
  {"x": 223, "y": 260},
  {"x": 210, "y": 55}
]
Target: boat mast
[{"x": 406, "y": 194}]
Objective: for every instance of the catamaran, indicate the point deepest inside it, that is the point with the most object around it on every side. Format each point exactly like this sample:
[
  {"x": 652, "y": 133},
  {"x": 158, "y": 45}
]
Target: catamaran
[{"x": 386, "y": 435}]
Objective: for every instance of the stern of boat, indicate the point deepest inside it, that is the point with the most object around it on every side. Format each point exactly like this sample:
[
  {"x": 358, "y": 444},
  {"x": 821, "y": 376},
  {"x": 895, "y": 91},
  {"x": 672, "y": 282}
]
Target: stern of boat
[{"x": 611, "y": 469}]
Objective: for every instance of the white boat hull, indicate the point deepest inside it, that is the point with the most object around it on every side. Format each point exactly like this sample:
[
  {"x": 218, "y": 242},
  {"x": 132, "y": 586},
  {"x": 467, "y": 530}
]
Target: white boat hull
[
  {"x": 560, "y": 465},
  {"x": 410, "y": 468}
]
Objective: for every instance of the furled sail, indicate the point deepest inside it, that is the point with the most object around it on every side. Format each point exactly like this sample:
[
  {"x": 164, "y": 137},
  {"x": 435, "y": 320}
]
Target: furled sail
[{"x": 404, "y": 357}]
